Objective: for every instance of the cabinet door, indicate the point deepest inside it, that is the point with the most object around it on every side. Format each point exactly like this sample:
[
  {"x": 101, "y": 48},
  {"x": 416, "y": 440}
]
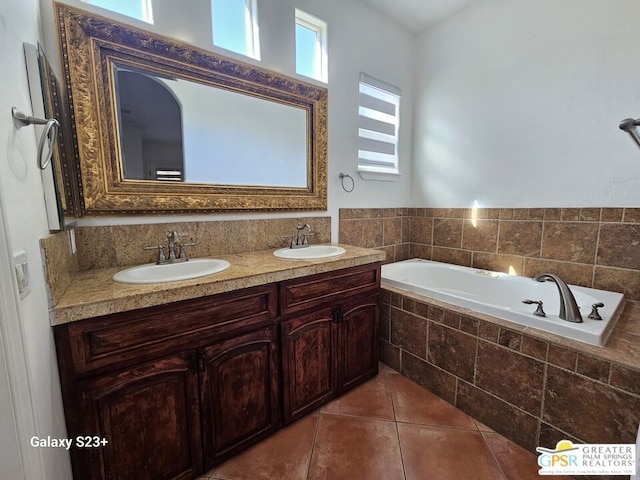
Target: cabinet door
[
  {"x": 309, "y": 356},
  {"x": 240, "y": 392},
  {"x": 150, "y": 417},
  {"x": 359, "y": 342}
]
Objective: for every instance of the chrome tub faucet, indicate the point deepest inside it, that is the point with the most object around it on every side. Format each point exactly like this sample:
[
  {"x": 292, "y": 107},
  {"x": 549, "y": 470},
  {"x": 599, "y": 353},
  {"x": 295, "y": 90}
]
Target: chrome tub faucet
[{"x": 569, "y": 309}]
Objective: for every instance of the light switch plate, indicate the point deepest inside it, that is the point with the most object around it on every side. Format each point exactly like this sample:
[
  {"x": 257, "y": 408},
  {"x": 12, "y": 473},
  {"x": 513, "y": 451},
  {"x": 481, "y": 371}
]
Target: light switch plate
[{"x": 21, "y": 272}]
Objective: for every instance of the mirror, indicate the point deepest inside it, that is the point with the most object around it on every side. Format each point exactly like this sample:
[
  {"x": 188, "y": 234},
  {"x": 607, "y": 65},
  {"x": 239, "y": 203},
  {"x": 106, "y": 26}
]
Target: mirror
[
  {"x": 178, "y": 130},
  {"x": 164, "y": 126}
]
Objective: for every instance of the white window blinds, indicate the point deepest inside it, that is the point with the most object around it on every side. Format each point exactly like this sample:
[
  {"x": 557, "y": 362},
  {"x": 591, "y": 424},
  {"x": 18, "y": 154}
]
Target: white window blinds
[{"x": 378, "y": 124}]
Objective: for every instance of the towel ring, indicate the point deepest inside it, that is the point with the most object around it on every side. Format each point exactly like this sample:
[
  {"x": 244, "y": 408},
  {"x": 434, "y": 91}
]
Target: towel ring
[
  {"x": 50, "y": 133},
  {"x": 353, "y": 183}
]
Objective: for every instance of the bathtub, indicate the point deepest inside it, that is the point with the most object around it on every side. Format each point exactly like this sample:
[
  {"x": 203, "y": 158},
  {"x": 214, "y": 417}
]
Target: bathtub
[{"x": 500, "y": 295}]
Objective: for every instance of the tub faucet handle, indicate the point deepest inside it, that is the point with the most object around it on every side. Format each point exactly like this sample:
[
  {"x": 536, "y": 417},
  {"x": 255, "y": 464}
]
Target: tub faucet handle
[
  {"x": 594, "y": 315},
  {"x": 539, "y": 311}
]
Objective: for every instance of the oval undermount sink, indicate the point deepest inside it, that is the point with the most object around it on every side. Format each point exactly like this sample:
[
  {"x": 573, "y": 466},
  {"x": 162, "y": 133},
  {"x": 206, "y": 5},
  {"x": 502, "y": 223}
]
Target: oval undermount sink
[
  {"x": 310, "y": 253},
  {"x": 171, "y": 272}
]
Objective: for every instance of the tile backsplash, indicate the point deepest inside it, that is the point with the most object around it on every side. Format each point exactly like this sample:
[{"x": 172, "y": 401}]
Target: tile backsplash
[
  {"x": 387, "y": 229},
  {"x": 591, "y": 247},
  {"x": 122, "y": 245}
]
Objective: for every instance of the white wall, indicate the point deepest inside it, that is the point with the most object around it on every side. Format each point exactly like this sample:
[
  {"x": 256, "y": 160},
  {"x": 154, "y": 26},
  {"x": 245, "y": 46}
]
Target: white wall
[
  {"x": 518, "y": 105},
  {"x": 360, "y": 39},
  {"x": 21, "y": 195}
]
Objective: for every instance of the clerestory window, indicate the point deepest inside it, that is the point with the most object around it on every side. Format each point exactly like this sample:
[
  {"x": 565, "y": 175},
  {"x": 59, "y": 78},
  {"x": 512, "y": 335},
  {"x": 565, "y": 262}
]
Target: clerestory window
[{"x": 235, "y": 26}]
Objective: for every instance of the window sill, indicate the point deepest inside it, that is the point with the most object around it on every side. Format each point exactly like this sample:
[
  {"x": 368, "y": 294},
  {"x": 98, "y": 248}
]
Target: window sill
[{"x": 379, "y": 176}]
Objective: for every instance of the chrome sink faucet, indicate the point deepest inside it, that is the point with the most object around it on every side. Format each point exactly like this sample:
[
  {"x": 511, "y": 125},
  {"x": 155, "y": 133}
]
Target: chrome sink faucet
[
  {"x": 569, "y": 309},
  {"x": 173, "y": 244},
  {"x": 300, "y": 239},
  {"x": 172, "y": 238}
]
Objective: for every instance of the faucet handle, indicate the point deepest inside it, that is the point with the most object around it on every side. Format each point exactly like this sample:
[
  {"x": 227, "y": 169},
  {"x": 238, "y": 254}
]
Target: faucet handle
[
  {"x": 539, "y": 311},
  {"x": 161, "y": 256},
  {"x": 181, "y": 253},
  {"x": 594, "y": 315},
  {"x": 291, "y": 240}
]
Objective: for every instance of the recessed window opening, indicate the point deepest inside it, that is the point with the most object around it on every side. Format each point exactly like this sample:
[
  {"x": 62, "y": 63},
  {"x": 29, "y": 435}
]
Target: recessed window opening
[
  {"x": 140, "y": 9},
  {"x": 311, "y": 46},
  {"x": 235, "y": 26},
  {"x": 378, "y": 126}
]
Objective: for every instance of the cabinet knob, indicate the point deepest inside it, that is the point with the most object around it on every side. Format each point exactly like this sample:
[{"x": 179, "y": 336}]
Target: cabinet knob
[{"x": 337, "y": 315}]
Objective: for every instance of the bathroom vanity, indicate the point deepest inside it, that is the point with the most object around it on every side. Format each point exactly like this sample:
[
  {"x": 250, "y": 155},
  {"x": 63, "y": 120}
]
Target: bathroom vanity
[{"x": 175, "y": 388}]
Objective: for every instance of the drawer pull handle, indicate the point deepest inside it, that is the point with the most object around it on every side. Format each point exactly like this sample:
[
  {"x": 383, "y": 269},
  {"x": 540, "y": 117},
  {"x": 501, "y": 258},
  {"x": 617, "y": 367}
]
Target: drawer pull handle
[{"x": 337, "y": 315}]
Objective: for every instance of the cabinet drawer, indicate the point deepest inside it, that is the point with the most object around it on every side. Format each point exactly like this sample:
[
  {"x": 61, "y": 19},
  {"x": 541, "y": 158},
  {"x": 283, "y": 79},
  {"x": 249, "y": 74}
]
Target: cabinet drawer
[
  {"x": 123, "y": 337},
  {"x": 311, "y": 292}
]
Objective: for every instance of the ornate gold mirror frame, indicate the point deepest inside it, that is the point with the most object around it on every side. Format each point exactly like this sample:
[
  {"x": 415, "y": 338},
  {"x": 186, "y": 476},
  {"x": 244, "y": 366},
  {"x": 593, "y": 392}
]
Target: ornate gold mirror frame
[{"x": 90, "y": 45}]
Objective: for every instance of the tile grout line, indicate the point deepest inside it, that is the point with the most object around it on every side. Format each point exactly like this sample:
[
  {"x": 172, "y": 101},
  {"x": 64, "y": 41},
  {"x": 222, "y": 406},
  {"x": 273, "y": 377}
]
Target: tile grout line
[
  {"x": 545, "y": 374},
  {"x": 313, "y": 446},
  {"x": 595, "y": 259},
  {"x": 495, "y": 459},
  {"x": 393, "y": 407}
]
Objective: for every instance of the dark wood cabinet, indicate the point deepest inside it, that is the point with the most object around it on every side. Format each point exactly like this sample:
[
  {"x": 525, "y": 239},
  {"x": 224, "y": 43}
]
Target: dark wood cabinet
[
  {"x": 178, "y": 388},
  {"x": 309, "y": 356},
  {"x": 327, "y": 351},
  {"x": 173, "y": 389},
  {"x": 239, "y": 392},
  {"x": 150, "y": 417},
  {"x": 359, "y": 342}
]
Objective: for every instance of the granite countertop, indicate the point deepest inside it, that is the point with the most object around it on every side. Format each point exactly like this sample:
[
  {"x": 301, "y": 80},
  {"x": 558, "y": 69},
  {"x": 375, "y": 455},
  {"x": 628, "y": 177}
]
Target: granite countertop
[{"x": 94, "y": 293}]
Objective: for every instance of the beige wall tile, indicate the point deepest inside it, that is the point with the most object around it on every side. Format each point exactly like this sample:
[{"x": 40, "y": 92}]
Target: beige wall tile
[
  {"x": 612, "y": 214},
  {"x": 520, "y": 238},
  {"x": 391, "y": 230},
  {"x": 421, "y": 230},
  {"x": 447, "y": 233},
  {"x": 590, "y": 214},
  {"x": 570, "y": 241},
  {"x": 618, "y": 280},
  {"x": 619, "y": 245},
  {"x": 632, "y": 215},
  {"x": 572, "y": 273},
  {"x": 552, "y": 213},
  {"x": 481, "y": 237},
  {"x": 499, "y": 263},
  {"x": 451, "y": 255}
]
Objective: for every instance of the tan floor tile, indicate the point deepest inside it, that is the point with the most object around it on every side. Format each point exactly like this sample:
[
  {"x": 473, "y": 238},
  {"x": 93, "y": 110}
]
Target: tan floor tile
[
  {"x": 371, "y": 399},
  {"x": 482, "y": 427},
  {"x": 414, "y": 404},
  {"x": 384, "y": 369},
  {"x": 445, "y": 453},
  {"x": 349, "y": 448},
  {"x": 516, "y": 462},
  {"x": 285, "y": 455}
]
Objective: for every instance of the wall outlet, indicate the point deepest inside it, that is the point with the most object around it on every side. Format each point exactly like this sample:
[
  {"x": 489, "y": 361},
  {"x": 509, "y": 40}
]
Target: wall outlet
[{"x": 21, "y": 271}]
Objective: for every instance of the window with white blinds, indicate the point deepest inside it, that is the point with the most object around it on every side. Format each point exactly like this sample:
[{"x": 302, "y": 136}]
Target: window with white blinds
[{"x": 378, "y": 125}]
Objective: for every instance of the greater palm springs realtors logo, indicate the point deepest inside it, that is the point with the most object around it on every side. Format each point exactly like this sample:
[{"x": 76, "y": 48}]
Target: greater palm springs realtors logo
[{"x": 587, "y": 459}]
